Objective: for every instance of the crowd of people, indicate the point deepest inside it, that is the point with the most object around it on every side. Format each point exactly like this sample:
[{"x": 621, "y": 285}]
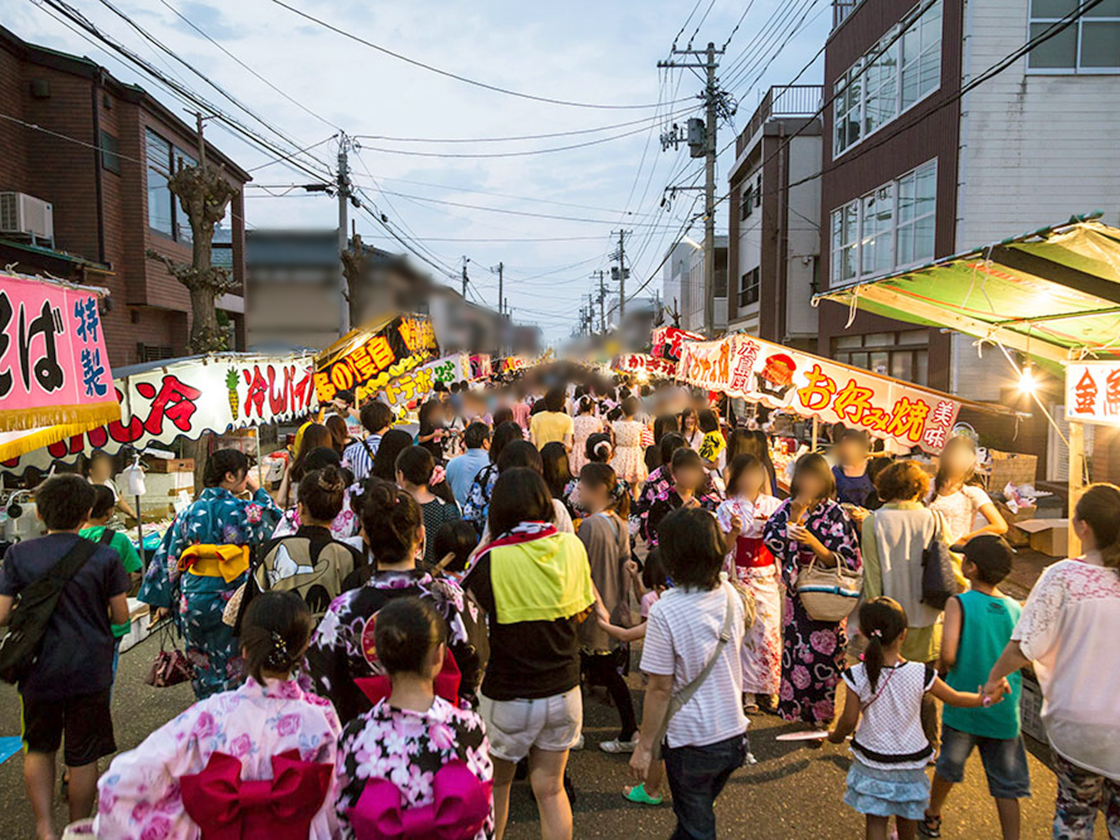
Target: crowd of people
[{"x": 378, "y": 644}]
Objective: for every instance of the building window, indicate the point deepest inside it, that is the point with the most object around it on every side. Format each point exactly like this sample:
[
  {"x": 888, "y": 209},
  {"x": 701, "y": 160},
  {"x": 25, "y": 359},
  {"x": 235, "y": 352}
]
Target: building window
[
  {"x": 889, "y": 228},
  {"x": 748, "y": 287},
  {"x": 748, "y": 202},
  {"x": 110, "y": 153},
  {"x": 890, "y": 78},
  {"x": 1089, "y": 45},
  {"x": 903, "y": 355},
  {"x": 154, "y": 352},
  {"x": 164, "y": 213}
]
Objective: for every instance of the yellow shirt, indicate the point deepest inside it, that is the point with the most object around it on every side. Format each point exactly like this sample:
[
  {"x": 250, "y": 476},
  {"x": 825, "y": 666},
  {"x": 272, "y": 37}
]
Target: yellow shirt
[{"x": 548, "y": 426}]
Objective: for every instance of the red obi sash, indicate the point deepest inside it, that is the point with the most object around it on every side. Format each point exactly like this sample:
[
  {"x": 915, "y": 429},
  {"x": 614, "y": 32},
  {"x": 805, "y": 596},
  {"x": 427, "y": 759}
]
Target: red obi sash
[
  {"x": 458, "y": 811},
  {"x": 752, "y": 553},
  {"x": 280, "y": 808}
]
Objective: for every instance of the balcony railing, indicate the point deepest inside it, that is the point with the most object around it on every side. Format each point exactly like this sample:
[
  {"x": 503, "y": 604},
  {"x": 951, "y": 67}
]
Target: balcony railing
[
  {"x": 841, "y": 9},
  {"x": 780, "y": 101}
]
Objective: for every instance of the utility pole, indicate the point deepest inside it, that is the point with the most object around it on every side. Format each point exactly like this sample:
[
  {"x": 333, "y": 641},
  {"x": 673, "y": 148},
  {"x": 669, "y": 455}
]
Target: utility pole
[
  {"x": 701, "y": 138},
  {"x": 621, "y": 272},
  {"x": 465, "y": 261},
  {"x": 343, "y": 194},
  {"x": 602, "y": 297},
  {"x": 500, "y": 271}
]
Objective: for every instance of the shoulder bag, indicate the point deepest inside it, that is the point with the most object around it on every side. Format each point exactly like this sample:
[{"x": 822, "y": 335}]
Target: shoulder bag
[
  {"x": 828, "y": 594},
  {"x": 939, "y": 583},
  {"x": 170, "y": 667},
  {"x": 678, "y": 700},
  {"x": 33, "y": 608}
]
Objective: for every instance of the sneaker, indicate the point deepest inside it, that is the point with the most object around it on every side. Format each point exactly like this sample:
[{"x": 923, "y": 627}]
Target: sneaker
[
  {"x": 578, "y": 745},
  {"x": 617, "y": 745}
]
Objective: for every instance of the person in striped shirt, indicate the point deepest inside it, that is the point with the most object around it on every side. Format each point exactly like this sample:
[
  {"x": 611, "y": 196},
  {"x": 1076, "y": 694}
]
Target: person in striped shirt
[{"x": 376, "y": 418}]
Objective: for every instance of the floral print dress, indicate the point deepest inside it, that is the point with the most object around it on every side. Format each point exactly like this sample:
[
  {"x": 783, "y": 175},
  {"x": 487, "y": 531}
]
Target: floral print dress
[
  {"x": 216, "y": 518},
  {"x": 812, "y": 651},
  {"x": 139, "y": 796},
  {"x": 752, "y": 564},
  {"x": 342, "y": 648},
  {"x": 629, "y": 459},
  {"x": 342, "y": 526},
  {"x": 409, "y": 748},
  {"x": 583, "y": 427},
  {"x": 669, "y": 500}
]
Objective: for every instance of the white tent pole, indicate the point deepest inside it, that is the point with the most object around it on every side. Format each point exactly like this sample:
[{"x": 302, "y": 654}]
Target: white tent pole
[{"x": 1076, "y": 478}]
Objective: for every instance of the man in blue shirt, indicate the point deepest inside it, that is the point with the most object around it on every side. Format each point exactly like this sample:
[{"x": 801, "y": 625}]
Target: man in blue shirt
[
  {"x": 462, "y": 469},
  {"x": 376, "y": 417}
]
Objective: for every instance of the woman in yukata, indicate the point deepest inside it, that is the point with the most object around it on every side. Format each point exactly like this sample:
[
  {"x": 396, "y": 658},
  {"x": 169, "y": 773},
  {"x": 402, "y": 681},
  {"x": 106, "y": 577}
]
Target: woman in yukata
[
  {"x": 203, "y": 559},
  {"x": 183, "y": 780}
]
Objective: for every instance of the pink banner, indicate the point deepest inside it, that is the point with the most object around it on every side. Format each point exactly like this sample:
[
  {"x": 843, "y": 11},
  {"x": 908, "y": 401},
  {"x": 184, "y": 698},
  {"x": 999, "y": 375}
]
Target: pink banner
[
  {"x": 779, "y": 377},
  {"x": 54, "y": 368}
]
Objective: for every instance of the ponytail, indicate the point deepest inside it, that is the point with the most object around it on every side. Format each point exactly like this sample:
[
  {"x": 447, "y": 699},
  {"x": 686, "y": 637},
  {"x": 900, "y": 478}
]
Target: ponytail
[
  {"x": 603, "y": 475},
  {"x": 1099, "y": 508},
  {"x": 882, "y": 620}
]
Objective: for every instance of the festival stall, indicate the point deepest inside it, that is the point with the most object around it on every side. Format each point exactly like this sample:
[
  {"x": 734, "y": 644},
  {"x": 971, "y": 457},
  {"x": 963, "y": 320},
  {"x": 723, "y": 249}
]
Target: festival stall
[
  {"x": 55, "y": 379},
  {"x": 645, "y": 366},
  {"x": 1052, "y": 295},
  {"x": 481, "y": 366},
  {"x": 414, "y": 387},
  {"x": 666, "y": 342},
  {"x": 366, "y": 359}
]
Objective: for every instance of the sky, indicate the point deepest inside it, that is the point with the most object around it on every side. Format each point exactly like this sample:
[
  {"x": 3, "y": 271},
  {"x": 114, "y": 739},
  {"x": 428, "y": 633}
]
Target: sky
[{"x": 548, "y": 217}]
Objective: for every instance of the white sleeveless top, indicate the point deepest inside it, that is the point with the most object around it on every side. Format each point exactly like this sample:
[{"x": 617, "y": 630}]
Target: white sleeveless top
[{"x": 889, "y": 735}]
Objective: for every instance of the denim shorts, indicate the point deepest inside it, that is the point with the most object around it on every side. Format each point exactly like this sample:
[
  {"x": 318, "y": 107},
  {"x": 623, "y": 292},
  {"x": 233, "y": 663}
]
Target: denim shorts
[
  {"x": 547, "y": 723},
  {"x": 1004, "y": 760}
]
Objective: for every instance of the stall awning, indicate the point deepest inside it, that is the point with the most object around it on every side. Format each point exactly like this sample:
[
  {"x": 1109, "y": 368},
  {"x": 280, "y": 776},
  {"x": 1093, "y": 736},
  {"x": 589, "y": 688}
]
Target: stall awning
[{"x": 1053, "y": 293}]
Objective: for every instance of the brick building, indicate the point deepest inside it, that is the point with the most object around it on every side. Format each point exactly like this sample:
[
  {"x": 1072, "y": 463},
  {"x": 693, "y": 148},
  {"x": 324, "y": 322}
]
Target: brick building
[{"x": 98, "y": 150}]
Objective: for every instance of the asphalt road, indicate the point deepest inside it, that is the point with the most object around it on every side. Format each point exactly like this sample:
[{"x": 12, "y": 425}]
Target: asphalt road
[{"x": 792, "y": 792}]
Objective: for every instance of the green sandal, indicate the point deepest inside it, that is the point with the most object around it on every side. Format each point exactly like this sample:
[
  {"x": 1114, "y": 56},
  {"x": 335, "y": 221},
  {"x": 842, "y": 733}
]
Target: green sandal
[{"x": 638, "y": 794}]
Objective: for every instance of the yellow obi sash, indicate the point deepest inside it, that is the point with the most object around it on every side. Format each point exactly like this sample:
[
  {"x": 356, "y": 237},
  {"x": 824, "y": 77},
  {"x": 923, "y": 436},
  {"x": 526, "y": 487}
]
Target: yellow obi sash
[
  {"x": 224, "y": 561},
  {"x": 541, "y": 579}
]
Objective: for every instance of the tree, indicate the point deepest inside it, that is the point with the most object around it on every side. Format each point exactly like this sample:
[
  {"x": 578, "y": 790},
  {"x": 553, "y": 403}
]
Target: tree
[{"x": 204, "y": 193}]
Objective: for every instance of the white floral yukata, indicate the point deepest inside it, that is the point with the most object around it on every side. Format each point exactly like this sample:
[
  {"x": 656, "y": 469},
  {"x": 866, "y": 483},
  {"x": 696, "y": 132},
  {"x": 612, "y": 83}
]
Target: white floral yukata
[{"x": 139, "y": 796}]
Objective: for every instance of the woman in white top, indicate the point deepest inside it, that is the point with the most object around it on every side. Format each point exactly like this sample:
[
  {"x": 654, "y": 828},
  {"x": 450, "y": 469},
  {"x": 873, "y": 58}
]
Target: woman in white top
[
  {"x": 99, "y": 470},
  {"x": 690, "y": 428},
  {"x": 957, "y": 498},
  {"x": 1070, "y": 628},
  {"x": 683, "y": 634}
]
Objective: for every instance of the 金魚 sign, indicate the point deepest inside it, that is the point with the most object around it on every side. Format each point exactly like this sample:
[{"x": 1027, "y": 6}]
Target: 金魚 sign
[
  {"x": 1093, "y": 393},
  {"x": 779, "y": 377}
]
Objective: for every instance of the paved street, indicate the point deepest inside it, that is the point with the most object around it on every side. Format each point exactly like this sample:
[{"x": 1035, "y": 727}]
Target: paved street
[{"x": 791, "y": 792}]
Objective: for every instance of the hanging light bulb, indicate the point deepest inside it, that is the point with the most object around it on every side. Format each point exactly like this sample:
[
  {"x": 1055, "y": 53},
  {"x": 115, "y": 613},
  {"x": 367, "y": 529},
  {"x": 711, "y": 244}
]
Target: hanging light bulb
[{"x": 1027, "y": 382}]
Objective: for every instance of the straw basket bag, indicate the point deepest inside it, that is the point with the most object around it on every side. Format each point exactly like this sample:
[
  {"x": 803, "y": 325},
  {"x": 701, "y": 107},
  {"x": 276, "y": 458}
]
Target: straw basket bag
[{"x": 828, "y": 594}]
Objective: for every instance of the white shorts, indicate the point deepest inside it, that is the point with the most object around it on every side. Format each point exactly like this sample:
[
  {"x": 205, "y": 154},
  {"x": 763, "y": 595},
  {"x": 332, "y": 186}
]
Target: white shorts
[{"x": 547, "y": 723}]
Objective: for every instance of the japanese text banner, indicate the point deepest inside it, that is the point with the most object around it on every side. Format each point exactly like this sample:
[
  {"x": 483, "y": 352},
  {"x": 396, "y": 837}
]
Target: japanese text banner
[
  {"x": 1093, "y": 393},
  {"x": 643, "y": 363},
  {"x": 419, "y": 383},
  {"x": 191, "y": 396},
  {"x": 366, "y": 359},
  {"x": 779, "y": 377},
  {"x": 666, "y": 342},
  {"x": 54, "y": 369}
]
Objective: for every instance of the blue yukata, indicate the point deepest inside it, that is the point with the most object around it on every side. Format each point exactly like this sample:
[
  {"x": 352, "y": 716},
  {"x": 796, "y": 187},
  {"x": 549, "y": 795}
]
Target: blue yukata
[{"x": 216, "y": 518}]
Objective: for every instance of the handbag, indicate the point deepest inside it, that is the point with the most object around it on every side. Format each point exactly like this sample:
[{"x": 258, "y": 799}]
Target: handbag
[
  {"x": 685, "y": 694},
  {"x": 939, "y": 581},
  {"x": 828, "y": 594},
  {"x": 170, "y": 667}
]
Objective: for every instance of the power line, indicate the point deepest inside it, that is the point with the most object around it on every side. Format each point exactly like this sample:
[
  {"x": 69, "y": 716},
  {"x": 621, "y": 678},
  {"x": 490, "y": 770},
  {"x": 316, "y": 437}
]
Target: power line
[
  {"x": 457, "y": 77},
  {"x": 242, "y": 64}
]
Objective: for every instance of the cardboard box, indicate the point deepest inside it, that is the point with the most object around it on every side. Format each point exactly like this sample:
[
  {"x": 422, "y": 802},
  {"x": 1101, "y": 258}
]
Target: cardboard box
[
  {"x": 1023, "y": 513},
  {"x": 1030, "y": 708},
  {"x": 171, "y": 465},
  {"x": 1016, "y": 537},
  {"x": 1048, "y": 536}
]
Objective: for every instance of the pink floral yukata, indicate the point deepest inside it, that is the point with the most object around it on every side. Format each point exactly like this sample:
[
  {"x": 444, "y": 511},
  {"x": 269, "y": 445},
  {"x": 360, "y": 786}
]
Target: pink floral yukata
[
  {"x": 408, "y": 748},
  {"x": 139, "y": 796}
]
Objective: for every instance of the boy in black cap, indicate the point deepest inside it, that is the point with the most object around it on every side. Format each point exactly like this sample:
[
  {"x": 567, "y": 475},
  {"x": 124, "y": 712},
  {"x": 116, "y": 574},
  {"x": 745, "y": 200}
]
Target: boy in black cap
[{"x": 978, "y": 625}]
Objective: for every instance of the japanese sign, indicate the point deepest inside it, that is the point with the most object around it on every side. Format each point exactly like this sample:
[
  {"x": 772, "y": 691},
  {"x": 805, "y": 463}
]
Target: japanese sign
[
  {"x": 1093, "y": 392},
  {"x": 667, "y": 342},
  {"x": 364, "y": 360},
  {"x": 419, "y": 383},
  {"x": 516, "y": 363},
  {"x": 54, "y": 369},
  {"x": 642, "y": 363},
  {"x": 779, "y": 377},
  {"x": 188, "y": 397}
]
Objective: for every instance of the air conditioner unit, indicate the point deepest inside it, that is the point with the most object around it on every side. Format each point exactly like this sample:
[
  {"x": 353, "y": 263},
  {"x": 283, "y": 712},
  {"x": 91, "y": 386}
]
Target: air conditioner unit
[{"x": 24, "y": 214}]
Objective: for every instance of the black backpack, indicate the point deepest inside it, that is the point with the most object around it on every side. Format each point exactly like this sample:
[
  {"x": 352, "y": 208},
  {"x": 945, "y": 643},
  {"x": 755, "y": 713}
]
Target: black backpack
[{"x": 34, "y": 606}]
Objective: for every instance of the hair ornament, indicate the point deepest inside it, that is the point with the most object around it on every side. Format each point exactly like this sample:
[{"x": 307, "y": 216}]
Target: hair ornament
[
  {"x": 876, "y": 634},
  {"x": 278, "y": 658}
]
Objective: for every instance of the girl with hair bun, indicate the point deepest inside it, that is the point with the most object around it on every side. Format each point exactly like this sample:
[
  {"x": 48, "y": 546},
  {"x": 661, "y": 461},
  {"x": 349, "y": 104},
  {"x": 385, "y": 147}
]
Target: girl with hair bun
[
  {"x": 200, "y": 562},
  {"x": 158, "y": 788},
  {"x": 1069, "y": 628},
  {"x": 343, "y": 649},
  {"x": 344, "y": 524},
  {"x": 437, "y": 744}
]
